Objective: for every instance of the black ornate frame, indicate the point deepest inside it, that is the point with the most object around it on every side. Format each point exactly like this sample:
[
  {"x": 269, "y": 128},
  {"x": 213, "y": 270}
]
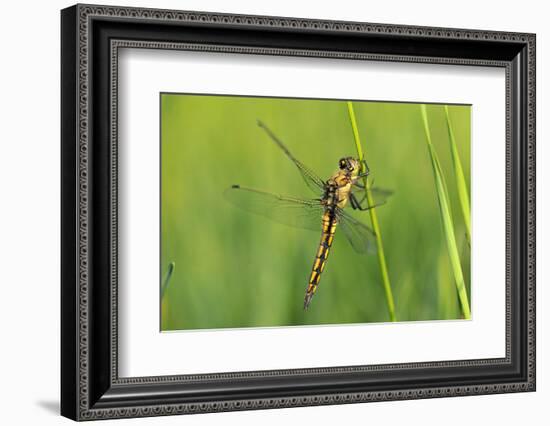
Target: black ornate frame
[{"x": 91, "y": 37}]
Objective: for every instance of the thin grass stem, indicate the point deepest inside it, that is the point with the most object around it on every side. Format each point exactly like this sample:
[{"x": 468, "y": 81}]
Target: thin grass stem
[
  {"x": 459, "y": 176},
  {"x": 166, "y": 279},
  {"x": 446, "y": 218},
  {"x": 374, "y": 220}
]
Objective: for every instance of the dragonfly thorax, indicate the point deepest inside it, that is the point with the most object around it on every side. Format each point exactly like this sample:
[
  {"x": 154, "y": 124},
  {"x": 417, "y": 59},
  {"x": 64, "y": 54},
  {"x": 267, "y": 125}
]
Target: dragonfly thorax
[{"x": 338, "y": 190}]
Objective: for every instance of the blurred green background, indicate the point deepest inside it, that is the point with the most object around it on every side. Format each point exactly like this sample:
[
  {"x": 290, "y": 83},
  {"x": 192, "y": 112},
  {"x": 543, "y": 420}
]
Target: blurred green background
[{"x": 235, "y": 269}]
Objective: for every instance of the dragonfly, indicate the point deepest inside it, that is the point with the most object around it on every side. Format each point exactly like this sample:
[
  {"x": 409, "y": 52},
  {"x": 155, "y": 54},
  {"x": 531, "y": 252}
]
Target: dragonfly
[{"x": 325, "y": 211}]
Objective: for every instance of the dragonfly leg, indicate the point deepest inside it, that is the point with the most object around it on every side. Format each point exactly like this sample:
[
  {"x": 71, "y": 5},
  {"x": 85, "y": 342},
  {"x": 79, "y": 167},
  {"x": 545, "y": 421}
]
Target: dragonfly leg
[
  {"x": 365, "y": 170},
  {"x": 362, "y": 185},
  {"x": 356, "y": 204}
]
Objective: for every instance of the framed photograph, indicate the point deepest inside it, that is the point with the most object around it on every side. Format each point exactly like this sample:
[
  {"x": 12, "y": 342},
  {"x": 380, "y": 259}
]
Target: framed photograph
[{"x": 263, "y": 212}]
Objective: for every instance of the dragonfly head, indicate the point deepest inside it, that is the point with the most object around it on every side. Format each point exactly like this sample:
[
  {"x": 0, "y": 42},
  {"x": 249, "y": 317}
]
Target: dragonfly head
[{"x": 350, "y": 165}]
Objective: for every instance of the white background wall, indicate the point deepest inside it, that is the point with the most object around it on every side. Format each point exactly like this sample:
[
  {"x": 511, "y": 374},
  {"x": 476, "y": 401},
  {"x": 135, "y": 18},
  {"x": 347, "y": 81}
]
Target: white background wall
[{"x": 29, "y": 211}]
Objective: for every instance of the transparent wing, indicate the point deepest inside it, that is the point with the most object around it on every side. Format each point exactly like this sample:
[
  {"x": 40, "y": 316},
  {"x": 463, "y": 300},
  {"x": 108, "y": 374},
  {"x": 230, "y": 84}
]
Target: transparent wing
[
  {"x": 379, "y": 196},
  {"x": 314, "y": 182},
  {"x": 291, "y": 211},
  {"x": 360, "y": 236}
]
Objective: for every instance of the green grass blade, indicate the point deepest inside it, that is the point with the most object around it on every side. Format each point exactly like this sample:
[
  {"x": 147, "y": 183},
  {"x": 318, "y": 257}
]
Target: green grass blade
[
  {"x": 166, "y": 279},
  {"x": 463, "y": 196},
  {"x": 446, "y": 218},
  {"x": 374, "y": 220}
]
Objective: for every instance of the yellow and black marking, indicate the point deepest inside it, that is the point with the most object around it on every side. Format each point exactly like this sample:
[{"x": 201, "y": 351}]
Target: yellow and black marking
[{"x": 329, "y": 228}]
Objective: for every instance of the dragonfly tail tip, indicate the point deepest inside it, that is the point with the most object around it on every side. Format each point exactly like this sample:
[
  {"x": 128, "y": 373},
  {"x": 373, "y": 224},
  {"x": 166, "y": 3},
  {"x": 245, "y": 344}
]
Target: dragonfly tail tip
[{"x": 307, "y": 300}]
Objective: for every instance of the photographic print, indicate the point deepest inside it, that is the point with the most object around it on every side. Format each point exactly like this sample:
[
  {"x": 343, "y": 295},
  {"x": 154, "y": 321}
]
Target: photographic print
[
  {"x": 279, "y": 186},
  {"x": 291, "y": 212}
]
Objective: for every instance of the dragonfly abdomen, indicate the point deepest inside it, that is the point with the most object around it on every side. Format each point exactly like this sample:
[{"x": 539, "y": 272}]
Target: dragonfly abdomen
[{"x": 327, "y": 236}]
